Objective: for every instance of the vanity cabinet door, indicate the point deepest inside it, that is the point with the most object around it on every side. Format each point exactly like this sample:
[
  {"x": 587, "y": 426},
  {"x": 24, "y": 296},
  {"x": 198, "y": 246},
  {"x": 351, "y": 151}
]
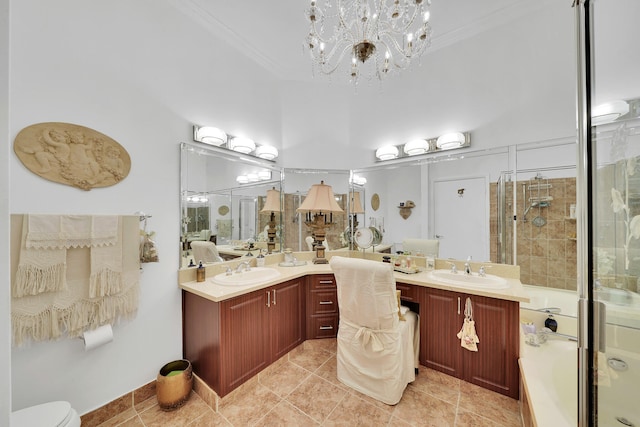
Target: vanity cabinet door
[
  {"x": 286, "y": 313},
  {"x": 440, "y": 320},
  {"x": 495, "y": 365},
  {"x": 245, "y": 339}
]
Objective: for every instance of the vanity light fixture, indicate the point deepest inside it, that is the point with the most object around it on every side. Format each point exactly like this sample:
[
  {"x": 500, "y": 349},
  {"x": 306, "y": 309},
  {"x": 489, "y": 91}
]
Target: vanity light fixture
[
  {"x": 359, "y": 180},
  {"x": 271, "y": 206},
  {"x": 319, "y": 202},
  {"x": 416, "y": 147},
  {"x": 451, "y": 140},
  {"x": 267, "y": 152},
  {"x": 264, "y": 175},
  {"x": 210, "y": 135},
  {"x": 388, "y": 152},
  {"x": 242, "y": 144},
  {"x": 608, "y": 112},
  {"x": 213, "y": 136}
]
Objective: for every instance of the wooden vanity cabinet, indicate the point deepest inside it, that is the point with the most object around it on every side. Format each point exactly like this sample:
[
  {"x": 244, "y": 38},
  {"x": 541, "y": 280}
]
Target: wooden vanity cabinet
[
  {"x": 230, "y": 341},
  {"x": 495, "y": 365},
  {"x": 322, "y": 306}
]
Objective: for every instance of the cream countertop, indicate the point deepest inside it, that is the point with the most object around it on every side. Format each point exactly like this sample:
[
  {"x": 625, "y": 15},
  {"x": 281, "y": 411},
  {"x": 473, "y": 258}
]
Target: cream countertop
[{"x": 216, "y": 293}]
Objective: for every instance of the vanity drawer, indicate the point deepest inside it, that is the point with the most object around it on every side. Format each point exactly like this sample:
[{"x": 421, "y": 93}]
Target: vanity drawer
[
  {"x": 322, "y": 326},
  {"x": 324, "y": 302},
  {"x": 322, "y": 281},
  {"x": 407, "y": 292}
]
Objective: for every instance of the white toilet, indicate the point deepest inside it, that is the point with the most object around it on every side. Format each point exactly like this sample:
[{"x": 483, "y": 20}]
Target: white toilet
[{"x": 52, "y": 414}]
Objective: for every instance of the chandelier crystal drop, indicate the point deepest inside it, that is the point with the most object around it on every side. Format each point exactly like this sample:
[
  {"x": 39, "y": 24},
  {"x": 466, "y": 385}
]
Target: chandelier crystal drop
[{"x": 367, "y": 38}]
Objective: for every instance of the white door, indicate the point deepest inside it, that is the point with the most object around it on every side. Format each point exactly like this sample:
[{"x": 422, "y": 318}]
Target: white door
[{"x": 460, "y": 218}]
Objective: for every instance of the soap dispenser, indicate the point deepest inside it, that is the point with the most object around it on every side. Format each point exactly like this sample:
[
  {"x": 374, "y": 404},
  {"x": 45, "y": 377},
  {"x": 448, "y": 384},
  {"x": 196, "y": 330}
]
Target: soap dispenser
[
  {"x": 200, "y": 272},
  {"x": 551, "y": 323}
]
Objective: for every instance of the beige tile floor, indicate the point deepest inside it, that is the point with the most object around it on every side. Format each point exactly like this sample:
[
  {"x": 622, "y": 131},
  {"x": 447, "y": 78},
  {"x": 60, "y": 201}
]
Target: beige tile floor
[{"x": 301, "y": 389}]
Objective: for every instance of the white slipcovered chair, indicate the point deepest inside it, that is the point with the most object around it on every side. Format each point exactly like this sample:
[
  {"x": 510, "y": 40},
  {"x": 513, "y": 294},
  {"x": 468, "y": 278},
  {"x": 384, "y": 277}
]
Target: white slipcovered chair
[
  {"x": 377, "y": 352},
  {"x": 205, "y": 252},
  {"x": 427, "y": 247}
]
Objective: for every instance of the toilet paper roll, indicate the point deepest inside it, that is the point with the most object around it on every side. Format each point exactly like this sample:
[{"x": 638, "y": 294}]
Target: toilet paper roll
[{"x": 97, "y": 337}]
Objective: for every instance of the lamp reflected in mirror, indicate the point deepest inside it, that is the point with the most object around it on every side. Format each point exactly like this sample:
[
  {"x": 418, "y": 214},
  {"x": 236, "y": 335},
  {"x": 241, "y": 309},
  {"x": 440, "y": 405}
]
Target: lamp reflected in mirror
[
  {"x": 271, "y": 206},
  {"x": 319, "y": 206},
  {"x": 355, "y": 208}
]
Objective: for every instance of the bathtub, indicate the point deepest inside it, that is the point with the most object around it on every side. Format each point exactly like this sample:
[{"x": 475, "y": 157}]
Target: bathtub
[
  {"x": 550, "y": 373},
  {"x": 550, "y": 382}
]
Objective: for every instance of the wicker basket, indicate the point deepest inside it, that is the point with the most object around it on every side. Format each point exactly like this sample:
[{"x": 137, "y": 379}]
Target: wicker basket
[{"x": 174, "y": 384}]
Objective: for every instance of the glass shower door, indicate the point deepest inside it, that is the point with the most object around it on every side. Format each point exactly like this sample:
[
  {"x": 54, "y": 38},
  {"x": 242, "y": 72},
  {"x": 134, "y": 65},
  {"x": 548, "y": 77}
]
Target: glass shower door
[{"x": 613, "y": 93}]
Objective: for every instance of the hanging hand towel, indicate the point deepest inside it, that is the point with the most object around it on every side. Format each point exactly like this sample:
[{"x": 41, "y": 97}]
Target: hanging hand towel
[
  {"x": 468, "y": 337},
  {"x": 39, "y": 269}
]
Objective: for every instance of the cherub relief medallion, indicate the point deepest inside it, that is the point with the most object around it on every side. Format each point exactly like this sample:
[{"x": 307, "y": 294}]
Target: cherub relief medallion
[{"x": 72, "y": 155}]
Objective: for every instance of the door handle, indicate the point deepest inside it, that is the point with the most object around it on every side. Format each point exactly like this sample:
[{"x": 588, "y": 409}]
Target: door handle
[
  {"x": 268, "y": 299},
  {"x": 326, "y": 302},
  {"x": 274, "y": 297},
  {"x": 326, "y": 328},
  {"x": 458, "y": 305}
]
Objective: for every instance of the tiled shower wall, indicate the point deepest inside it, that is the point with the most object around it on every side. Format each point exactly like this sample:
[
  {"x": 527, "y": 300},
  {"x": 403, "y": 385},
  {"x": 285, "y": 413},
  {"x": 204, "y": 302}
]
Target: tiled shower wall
[{"x": 546, "y": 255}]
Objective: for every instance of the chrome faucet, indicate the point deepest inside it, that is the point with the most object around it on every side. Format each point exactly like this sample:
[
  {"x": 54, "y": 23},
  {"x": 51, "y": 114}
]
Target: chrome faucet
[
  {"x": 454, "y": 269},
  {"x": 467, "y": 266},
  {"x": 245, "y": 265},
  {"x": 545, "y": 333},
  {"x": 482, "y": 272}
]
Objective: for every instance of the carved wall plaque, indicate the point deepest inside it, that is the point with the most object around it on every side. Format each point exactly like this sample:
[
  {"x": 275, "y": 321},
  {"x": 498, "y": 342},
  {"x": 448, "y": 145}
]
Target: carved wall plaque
[{"x": 72, "y": 155}]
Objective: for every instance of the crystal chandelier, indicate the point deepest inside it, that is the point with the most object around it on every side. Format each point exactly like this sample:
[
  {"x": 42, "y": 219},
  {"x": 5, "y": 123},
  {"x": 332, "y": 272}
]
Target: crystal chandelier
[{"x": 377, "y": 36}]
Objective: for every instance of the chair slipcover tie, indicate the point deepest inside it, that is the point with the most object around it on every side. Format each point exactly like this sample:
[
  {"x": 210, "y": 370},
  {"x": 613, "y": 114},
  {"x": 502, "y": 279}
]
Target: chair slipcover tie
[{"x": 366, "y": 335}]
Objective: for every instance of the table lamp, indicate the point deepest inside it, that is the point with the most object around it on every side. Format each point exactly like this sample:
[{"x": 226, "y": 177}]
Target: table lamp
[
  {"x": 319, "y": 202},
  {"x": 272, "y": 205}
]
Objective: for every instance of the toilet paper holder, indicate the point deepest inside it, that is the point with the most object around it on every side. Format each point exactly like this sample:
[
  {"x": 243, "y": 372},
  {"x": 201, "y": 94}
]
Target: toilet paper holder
[{"x": 97, "y": 337}]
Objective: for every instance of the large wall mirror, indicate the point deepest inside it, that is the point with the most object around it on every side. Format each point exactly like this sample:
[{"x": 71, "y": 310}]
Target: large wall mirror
[
  {"x": 223, "y": 196},
  {"x": 297, "y": 182},
  {"x": 511, "y": 205}
]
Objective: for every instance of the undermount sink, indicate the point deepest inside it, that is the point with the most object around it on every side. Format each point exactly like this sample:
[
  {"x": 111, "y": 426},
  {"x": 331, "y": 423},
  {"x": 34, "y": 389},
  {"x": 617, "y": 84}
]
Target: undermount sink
[
  {"x": 473, "y": 280},
  {"x": 255, "y": 276}
]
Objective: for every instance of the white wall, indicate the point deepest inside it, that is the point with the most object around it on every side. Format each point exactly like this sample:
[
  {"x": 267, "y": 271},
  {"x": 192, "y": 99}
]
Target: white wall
[
  {"x": 141, "y": 73},
  {"x": 5, "y": 294},
  {"x": 510, "y": 85}
]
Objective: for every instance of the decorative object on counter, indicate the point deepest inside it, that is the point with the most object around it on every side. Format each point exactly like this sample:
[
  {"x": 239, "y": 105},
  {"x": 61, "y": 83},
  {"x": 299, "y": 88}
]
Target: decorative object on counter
[
  {"x": 223, "y": 210},
  {"x": 174, "y": 384},
  {"x": 200, "y": 272},
  {"x": 100, "y": 282},
  {"x": 319, "y": 202},
  {"x": 375, "y": 202},
  {"x": 148, "y": 249},
  {"x": 468, "y": 337},
  {"x": 363, "y": 237},
  {"x": 271, "y": 206},
  {"x": 551, "y": 323},
  {"x": 405, "y": 208},
  {"x": 72, "y": 155}
]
